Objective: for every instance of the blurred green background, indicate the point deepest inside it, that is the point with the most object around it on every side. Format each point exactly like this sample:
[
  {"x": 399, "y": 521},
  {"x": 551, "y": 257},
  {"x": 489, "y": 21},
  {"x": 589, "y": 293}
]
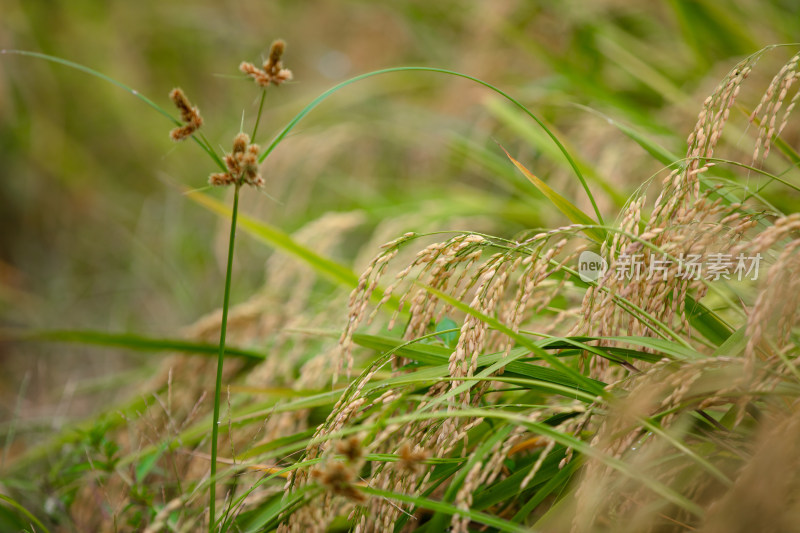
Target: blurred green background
[{"x": 98, "y": 234}]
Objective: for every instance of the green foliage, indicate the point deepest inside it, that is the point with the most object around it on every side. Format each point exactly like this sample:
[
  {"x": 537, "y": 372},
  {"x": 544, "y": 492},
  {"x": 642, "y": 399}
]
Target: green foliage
[{"x": 608, "y": 103}]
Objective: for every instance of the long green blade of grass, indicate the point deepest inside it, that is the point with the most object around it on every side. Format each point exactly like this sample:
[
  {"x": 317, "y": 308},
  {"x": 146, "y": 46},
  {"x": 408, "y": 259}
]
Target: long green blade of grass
[
  {"x": 292, "y": 123},
  {"x": 439, "y": 356},
  {"x": 659, "y": 153},
  {"x": 16, "y": 505},
  {"x": 133, "y": 342},
  {"x": 446, "y": 508},
  {"x": 77, "y": 66},
  {"x": 280, "y": 240},
  {"x": 537, "y": 138},
  {"x": 562, "y": 204}
]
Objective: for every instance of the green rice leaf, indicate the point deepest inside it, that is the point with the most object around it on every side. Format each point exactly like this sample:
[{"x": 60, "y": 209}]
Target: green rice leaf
[
  {"x": 441, "y": 519},
  {"x": 575, "y": 215},
  {"x": 446, "y": 508},
  {"x": 439, "y": 356},
  {"x": 578, "y": 379}
]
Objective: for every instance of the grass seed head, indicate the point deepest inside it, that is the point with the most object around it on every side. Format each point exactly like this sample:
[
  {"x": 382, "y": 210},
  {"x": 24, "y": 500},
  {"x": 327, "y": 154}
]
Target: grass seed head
[
  {"x": 351, "y": 448},
  {"x": 272, "y": 71},
  {"x": 339, "y": 478},
  {"x": 189, "y": 115},
  {"x": 411, "y": 459},
  {"x": 242, "y": 165}
]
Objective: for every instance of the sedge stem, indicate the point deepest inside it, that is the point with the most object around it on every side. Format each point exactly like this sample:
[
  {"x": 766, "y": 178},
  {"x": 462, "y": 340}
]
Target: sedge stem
[
  {"x": 212, "y": 492},
  {"x": 258, "y": 116}
]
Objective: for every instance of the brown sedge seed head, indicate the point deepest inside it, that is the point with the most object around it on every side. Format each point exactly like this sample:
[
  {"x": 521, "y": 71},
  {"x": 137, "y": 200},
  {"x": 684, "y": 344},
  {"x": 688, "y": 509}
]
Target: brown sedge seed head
[
  {"x": 190, "y": 115},
  {"x": 240, "y": 143},
  {"x": 242, "y": 164},
  {"x": 181, "y": 102},
  {"x": 338, "y": 478},
  {"x": 272, "y": 71},
  {"x": 275, "y": 53},
  {"x": 351, "y": 449},
  {"x": 411, "y": 459},
  {"x": 248, "y": 68}
]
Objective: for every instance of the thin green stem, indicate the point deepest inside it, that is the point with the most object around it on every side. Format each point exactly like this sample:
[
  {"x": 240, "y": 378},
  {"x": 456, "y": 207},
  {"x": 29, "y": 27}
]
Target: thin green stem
[
  {"x": 212, "y": 491},
  {"x": 258, "y": 115}
]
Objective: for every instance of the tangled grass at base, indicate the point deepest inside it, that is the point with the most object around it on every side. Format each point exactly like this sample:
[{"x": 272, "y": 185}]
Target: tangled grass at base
[{"x": 501, "y": 391}]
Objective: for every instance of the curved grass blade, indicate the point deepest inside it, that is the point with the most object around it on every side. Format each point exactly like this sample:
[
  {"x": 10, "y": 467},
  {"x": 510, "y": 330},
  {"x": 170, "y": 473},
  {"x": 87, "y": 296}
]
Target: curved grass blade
[
  {"x": 535, "y": 137},
  {"x": 96, "y": 74},
  {"x": 292, "y": 123},
  {"x": 663, "y": 347},
  {"x": 77, "y": 66},
  {"x": 661, "y": 154},
  {"x": 16, "y": 505}
]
